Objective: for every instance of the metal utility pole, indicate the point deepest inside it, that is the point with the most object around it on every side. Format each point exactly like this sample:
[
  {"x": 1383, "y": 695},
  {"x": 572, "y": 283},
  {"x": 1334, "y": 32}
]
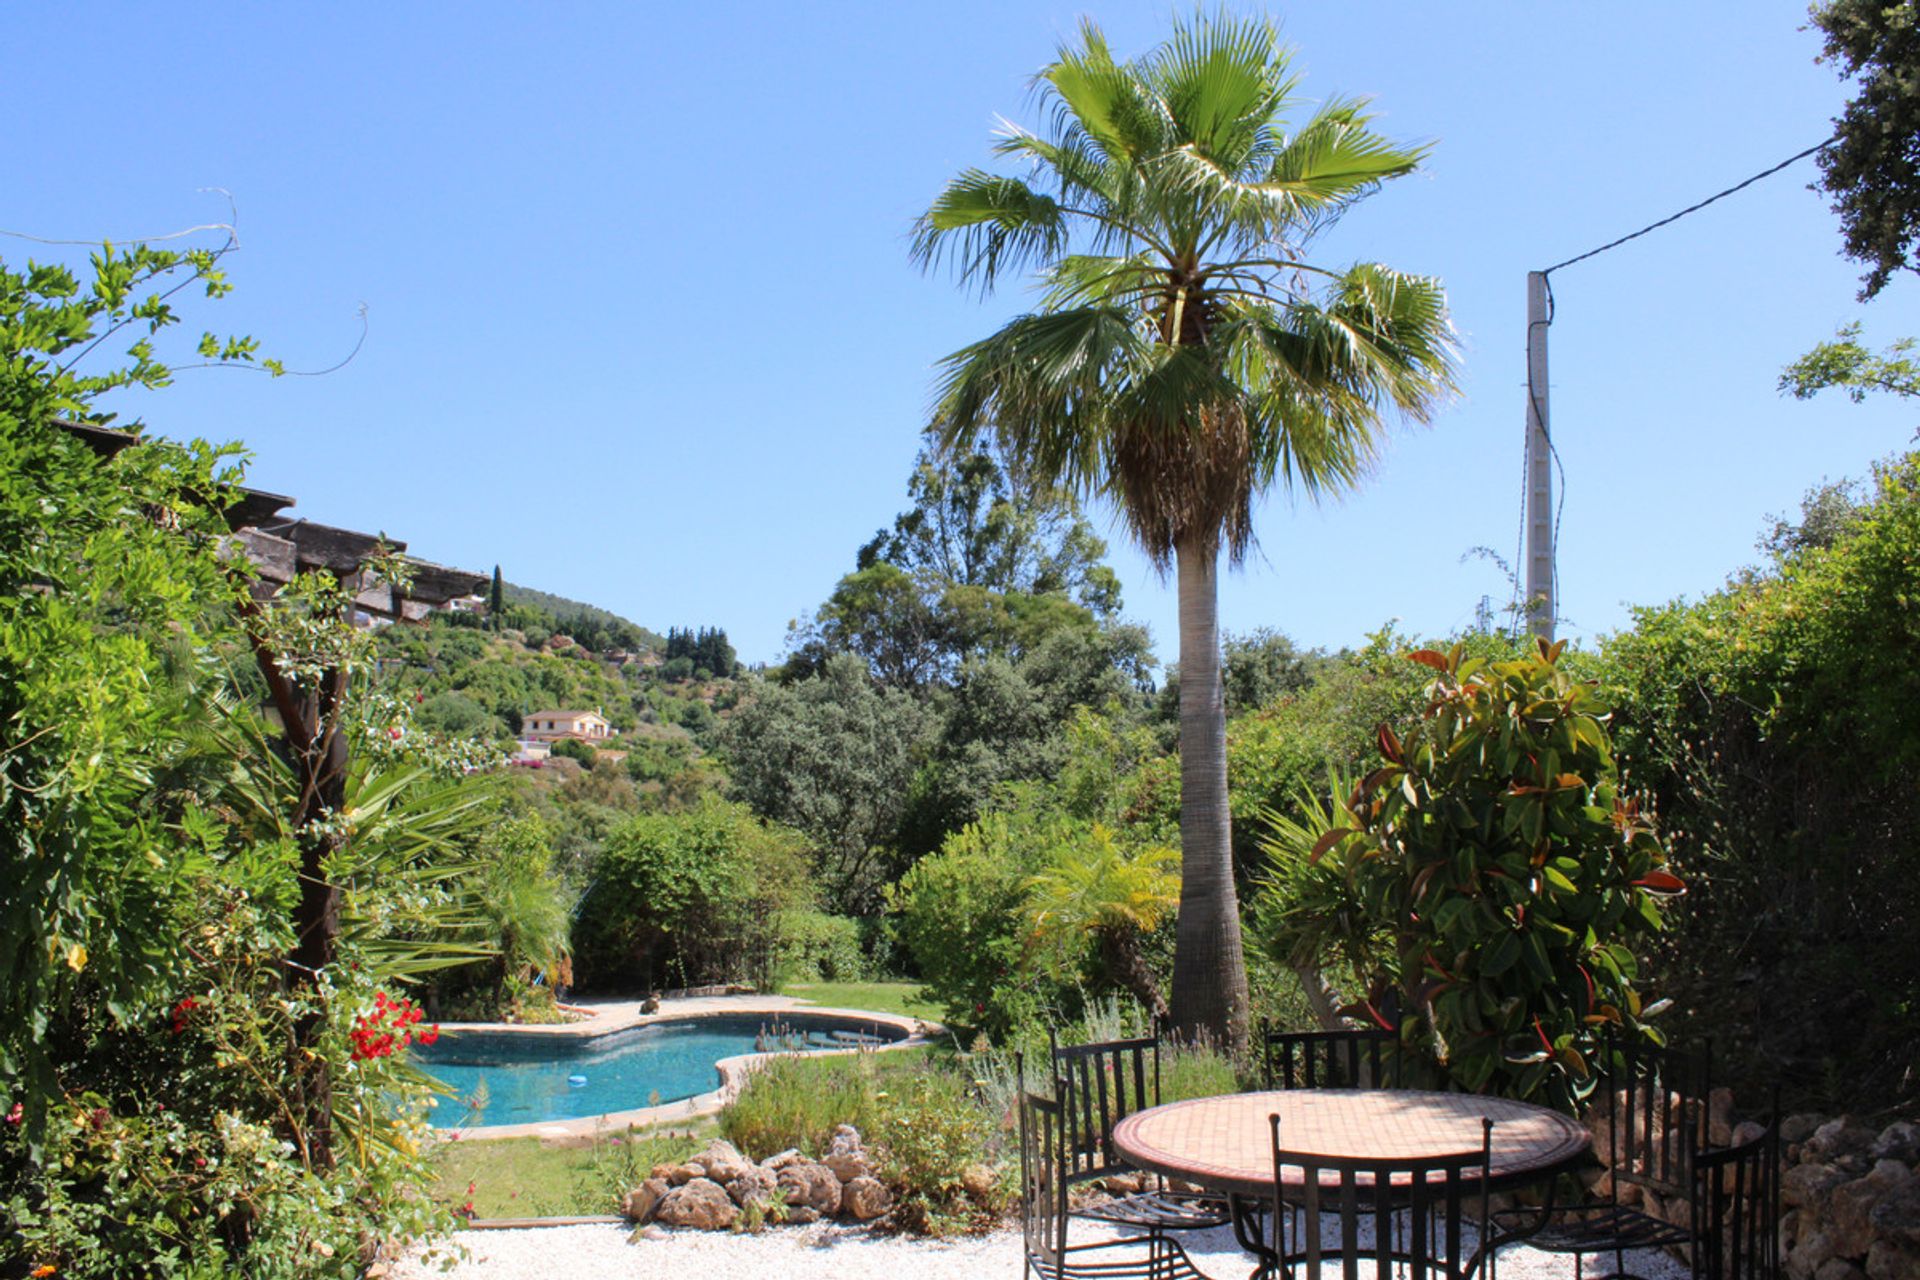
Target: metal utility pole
[{"x": 1539, "y": 601}]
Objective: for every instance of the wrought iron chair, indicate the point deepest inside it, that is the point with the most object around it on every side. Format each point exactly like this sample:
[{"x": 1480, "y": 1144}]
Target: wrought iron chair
[
  {"x": 1736, "y": 1208},
  {"x": 1655, "y": 1138},
  {"x": 1044, "y": 1163},
  {"x": 1417, "y": 1211},
  {"x": 1100, "y": 1085},
  {"x": 1356, "y": 1058}
]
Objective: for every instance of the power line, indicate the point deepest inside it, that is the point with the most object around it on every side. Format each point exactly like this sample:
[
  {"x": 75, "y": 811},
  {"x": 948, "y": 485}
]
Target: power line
[
  {"x": 1534, "y": 394},
  {"x": 1694, "y": 208}
]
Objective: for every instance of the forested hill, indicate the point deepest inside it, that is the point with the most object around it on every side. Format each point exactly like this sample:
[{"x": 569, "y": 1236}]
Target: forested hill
[{"x": 573, "y": 616}]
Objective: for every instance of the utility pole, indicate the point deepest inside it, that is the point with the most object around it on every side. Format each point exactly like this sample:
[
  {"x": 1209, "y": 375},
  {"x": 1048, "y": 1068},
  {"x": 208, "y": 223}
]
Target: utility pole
[{"x": 1540, "y": 604}]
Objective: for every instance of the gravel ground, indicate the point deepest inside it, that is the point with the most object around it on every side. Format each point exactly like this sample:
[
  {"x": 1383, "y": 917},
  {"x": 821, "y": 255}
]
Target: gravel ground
[{"x": 850, "y": 1253}]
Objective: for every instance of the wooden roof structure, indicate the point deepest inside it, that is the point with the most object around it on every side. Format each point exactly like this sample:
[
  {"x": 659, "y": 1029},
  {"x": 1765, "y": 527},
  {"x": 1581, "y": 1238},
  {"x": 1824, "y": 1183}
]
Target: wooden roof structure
[{"x": 280, "y": 547}]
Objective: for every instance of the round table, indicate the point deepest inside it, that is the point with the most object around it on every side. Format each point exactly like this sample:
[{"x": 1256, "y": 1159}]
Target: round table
[{"x": 1225, "y": 1143}]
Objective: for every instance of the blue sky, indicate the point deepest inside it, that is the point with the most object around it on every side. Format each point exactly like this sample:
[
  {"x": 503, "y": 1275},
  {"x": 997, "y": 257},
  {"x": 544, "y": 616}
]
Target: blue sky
[{"x": 644, "y": 331}]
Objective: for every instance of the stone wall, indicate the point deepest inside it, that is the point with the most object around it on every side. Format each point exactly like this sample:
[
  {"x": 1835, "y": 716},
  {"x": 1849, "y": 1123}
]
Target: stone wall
[{"x": 1850, "y": 1198}]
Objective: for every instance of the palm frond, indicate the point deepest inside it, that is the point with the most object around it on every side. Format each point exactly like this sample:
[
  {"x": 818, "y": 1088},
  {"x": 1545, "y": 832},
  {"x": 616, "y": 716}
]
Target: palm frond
[
  {"x": 1223, "y": 83},
  {"x": 986, "y": 224},
  {"x": 1039, "y": 386}
]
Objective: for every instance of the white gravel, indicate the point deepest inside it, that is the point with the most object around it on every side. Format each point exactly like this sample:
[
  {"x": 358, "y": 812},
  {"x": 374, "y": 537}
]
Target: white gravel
[{"x": 834, "y": 1252}]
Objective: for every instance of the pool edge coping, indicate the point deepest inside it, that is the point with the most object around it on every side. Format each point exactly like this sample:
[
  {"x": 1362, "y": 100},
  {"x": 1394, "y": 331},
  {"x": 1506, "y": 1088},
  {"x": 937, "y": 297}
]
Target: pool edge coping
[{"x": 734, "y": 1071}]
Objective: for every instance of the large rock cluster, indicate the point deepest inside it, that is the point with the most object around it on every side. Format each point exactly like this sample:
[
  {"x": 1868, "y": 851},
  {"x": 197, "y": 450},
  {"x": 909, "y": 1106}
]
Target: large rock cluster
[
  {"x": 1850, "y": 1199},
  {"x": 719, "y": 1189}
]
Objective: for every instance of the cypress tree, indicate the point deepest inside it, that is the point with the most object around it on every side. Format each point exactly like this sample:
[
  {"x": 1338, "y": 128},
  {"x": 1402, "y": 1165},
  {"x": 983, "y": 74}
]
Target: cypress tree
[{"x": 496, "y": 600}]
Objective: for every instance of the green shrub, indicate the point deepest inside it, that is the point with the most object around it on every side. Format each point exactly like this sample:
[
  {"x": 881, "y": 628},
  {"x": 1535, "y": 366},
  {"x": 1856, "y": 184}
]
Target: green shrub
[
  {"x": 574, "y": 749},
  {"x": 688, "y": 898},
  {"x": 816, "y": 946},
  {"x": 926, "y": 1131},
  {"x": 1775, "y": 723},
  {"x": 794, "y": 1101},
  {"x": 1486, "y": 880},
  {"x": 961, "y": 914}
]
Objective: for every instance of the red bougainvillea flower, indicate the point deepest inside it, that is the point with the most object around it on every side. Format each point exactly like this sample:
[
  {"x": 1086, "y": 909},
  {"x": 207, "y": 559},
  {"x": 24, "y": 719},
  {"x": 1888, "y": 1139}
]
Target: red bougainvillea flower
[
  {"x": 182, "y": 1010},
  {"x": 390, "y": 1027},
  {"x": 16, "y": 1114}
]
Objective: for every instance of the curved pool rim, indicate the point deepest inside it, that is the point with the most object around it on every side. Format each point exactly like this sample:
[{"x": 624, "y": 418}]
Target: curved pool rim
[{"x": 607, "y": 1020}]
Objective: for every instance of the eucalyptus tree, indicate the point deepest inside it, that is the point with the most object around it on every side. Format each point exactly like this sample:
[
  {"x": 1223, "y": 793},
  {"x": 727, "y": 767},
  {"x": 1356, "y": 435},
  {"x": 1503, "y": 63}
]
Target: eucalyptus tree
[{"x": 1185, "y": 357}]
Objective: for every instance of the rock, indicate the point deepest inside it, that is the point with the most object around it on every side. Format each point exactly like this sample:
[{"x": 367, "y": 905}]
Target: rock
[
  {"x": 781, "y": 1161},
  {"x": 812, "y": 1186},
  {"x": 846, "y": 1156},
  {"x": 1837, "y": 1139},
  {"x": 1746, "y": 1131},
  {"x": 755, "y": 1186},
  {"x": 1897, "y": 1216},
  {"x": 800, "y": 1215},
  {"x": 848, "y": 1166},
  {"x": 1797, "y": 1129},
  {"x": 678, "y": 1175},
  {"x": 651, "y": 1004},
  {"x": 1812, "y": 1254},
  {"x": 1853, "y": 1202},
  {"x": 1720, "y": 1117},
  {"x": 1807, "y": 1186},
  {"x": 701, "y": 1203},
  {"x": 1890, "y": 1261},
  {"x": 654, "y": 1233},
  {"x": 1123, "y": 1184},
  {"x": 1898, "y": 1141},
  {"x": 643, "y": 1199},
  {"x": 979, "y": 1183},
  {"x": 866, "y": 1198},
  {"x": 722, "y": 1161},
  {"x": 1839, "y": 1269}
]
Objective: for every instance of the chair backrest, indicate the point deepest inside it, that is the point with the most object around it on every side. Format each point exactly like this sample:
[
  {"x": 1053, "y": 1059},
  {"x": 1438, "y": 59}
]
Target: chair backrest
[
  {"x": 1440, "y": 1196},
  {"x": 1043, "y": 1187},
  {"x": 1357, "y": 1058},
  {"x": 1658, "y": 1117},
  {"x": 1736, "y": 1209},
  {"x": 1100, "y": 1085}
]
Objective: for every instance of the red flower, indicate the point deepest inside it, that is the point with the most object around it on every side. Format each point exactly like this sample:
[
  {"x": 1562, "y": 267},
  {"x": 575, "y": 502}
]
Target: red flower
[
  {"x": 182, "y": 1009},
  {"x": 16, "y": 1114}
]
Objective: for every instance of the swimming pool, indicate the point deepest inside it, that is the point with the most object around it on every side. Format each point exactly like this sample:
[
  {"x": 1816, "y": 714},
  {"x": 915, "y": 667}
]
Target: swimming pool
[{"x": 526, "y": 1078}]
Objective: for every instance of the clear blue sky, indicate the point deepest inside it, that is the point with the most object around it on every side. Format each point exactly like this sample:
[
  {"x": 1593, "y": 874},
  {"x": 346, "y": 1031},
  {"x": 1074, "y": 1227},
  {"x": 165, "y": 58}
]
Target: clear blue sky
[{"x": 644, "y": 330}]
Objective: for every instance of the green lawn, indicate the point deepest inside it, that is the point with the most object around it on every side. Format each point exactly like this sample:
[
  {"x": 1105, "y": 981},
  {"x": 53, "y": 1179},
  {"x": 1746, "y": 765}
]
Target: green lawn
[
  {"x": 531, "y": 1178},
  {"x": 905, "y": 998}
]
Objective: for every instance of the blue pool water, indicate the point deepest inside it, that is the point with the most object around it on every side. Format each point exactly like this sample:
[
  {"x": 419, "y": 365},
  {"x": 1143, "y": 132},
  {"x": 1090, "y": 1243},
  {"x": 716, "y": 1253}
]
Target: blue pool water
[{"x": 526, "y": 1078}]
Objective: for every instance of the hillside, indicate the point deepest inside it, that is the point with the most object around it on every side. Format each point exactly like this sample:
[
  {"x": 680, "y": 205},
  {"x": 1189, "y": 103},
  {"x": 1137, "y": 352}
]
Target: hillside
[{"x": 574, "y": 616}]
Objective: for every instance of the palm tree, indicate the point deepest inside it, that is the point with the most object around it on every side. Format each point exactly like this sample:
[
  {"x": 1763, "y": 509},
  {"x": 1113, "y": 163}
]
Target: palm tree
[
  {"x": 1116, "y": 896},
  {"x": 1184, "y": 357}
]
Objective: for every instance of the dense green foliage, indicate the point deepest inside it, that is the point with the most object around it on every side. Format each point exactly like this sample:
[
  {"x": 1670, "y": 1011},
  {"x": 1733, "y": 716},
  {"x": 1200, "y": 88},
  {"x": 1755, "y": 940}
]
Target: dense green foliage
[
  {"x": 1487, "y": 881},
  {"x": 1773, "y": 721},
  {"x": 1871, "y": 169},
  {"x": 594, "y": 628},
  {"x": 180, "y": 1098},
  {"x": 691, "y": 898}
]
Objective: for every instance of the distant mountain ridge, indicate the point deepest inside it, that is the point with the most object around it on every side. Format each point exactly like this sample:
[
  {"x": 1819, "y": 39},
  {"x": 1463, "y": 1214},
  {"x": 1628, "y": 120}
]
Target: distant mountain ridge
[{"x": 564, "y": 609}]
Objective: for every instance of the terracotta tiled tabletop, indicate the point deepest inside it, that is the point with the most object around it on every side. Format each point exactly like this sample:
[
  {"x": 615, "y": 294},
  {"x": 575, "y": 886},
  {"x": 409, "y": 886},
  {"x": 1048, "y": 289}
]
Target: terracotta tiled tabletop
[{"x": 1225, "y": 1143}]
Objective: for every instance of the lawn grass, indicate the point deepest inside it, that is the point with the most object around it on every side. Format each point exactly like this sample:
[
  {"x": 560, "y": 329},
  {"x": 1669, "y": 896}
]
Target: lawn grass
[
  {"x": 905, "y": 998},
  {"x": 532, "y": 1178}
]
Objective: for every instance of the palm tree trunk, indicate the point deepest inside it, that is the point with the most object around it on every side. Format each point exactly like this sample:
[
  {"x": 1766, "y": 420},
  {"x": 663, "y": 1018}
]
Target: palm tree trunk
[{"x": 1209, "y": 970}]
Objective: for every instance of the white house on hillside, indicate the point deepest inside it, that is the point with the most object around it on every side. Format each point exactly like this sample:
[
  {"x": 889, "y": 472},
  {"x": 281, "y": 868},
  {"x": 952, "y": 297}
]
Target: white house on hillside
[{"x": 551, "y": 726}]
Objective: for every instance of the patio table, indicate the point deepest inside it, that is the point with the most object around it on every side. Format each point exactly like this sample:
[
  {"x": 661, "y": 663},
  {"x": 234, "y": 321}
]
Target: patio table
[{"x": 1225, "y": 1144}]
